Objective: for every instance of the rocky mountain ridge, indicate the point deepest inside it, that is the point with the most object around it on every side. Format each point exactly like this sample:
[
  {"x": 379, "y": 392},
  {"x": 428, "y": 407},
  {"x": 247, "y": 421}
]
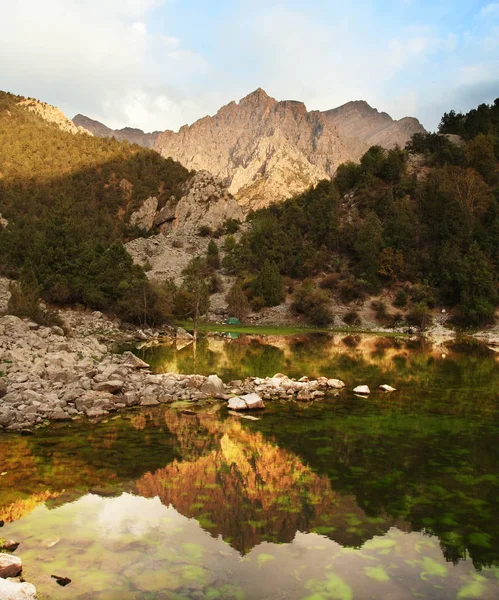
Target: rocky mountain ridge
[
  {"x": 129, "y": 134},
  {"x": 266, "y": 150}
]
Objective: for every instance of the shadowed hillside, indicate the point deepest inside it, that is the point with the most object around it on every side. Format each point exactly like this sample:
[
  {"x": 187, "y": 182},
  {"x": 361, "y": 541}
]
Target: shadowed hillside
[{"x": 67, "y": 199}]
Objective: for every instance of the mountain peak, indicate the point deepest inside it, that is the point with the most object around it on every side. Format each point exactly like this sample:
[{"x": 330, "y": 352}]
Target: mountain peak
[{"x": 257, "y": 97}]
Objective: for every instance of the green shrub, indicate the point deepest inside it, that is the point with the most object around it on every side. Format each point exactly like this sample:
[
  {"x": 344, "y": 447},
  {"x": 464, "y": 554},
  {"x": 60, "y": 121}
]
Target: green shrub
[
  {"x": 400, "y": 299},
  {"x": 205, "y": 231},
  {"x": 352, "y": 318}
]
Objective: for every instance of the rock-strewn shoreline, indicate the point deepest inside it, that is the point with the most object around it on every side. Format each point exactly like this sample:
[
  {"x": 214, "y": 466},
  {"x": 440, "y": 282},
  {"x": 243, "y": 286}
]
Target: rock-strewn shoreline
[{"x": 48, "y": 374}]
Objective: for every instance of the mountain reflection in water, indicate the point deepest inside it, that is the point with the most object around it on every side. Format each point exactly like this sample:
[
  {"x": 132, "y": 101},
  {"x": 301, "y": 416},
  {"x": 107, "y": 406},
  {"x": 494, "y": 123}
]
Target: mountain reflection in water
[{"x": 394, "y": 496}]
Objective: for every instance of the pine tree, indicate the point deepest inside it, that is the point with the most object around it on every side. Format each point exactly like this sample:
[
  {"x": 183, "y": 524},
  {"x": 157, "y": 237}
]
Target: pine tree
[
  {"x": 237, "y": 302},
  {"x": 478, "y": 288},
  {"x": 213, "y": 256},
  {"x": 269, "y": 284}
]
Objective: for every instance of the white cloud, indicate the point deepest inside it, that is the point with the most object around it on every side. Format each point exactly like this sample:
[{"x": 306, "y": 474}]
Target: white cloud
[
  {"x": 139, "y": 27},
  {"x": 491, "y": 9},
  {"x": 107, "y": 59},
  {"x": 470, "y": 75},
  {"x": 97, "y": 57}
]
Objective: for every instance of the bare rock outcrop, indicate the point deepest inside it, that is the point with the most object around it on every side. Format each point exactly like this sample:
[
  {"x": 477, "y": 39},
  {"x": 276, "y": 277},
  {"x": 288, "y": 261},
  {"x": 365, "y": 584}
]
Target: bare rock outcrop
[
  {"x": 52, "y": 114},
  {"x": 267, "y": 151},
  {"x": 205, "y": 202},
  {"x": 145, "y": 216}
]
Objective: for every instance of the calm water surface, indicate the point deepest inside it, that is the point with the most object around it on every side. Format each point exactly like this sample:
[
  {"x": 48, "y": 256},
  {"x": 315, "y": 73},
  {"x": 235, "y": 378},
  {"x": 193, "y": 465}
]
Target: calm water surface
[{"x": 394, "y": 496}]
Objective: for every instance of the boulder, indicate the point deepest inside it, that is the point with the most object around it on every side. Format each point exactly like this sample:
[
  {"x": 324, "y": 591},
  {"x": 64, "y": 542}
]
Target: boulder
[
  {"x": 213, "y": 386},
  {"x": 149, "y": 401},
  {"x": 10, "y": 566},
  {"x": 182, "y": 334},
  {"x": 335, "y": 384},
  {"x": 237, "y": 403},
  {"x": 113, "y": 386},
  {"x": 387, "y": 388},
  {"x": 60, "y": 415},
  {"x": 6, "y": 416},
  {"x": 362, "y": 390},
  {"x": 14, "y": 590},
  {"x": 134, "y": 361},
  {"x": 304, "y": 395},
  {"x": 253, "y": 401},
  {"x": 3, "y": 387}
]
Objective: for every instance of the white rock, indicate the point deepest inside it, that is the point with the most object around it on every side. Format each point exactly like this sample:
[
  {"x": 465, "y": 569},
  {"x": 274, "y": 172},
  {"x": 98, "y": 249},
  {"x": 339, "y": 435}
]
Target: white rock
[
  {"x": 335, "y": 384},
  {"x": 387, "y": 388},
  {"x": 13, "y": 590},
  {"x": 237, "y": 403},
  {"x": 253, "y": 401},
  {"x": 363, "y": 390}
]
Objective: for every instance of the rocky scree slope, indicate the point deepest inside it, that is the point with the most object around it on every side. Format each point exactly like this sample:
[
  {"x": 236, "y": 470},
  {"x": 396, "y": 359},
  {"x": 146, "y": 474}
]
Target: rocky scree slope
[
  {"x": 204, "y": 201},
  {"x": 267, "y": 151}
]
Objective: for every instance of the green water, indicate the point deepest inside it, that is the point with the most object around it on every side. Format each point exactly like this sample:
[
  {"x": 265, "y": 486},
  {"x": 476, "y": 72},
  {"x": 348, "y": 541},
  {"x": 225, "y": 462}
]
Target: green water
[{"x": 393, "y": 496}]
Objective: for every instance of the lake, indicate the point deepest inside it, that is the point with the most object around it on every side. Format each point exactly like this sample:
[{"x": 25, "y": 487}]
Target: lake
[{"x": 393, "y": 496}]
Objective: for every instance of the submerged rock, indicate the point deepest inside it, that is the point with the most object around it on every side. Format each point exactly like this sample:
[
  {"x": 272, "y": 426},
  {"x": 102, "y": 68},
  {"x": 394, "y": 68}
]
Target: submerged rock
[
  {"x": 10, "y": 566},
  {"x": 14, "y": 590},
  {"x": 362, "y": 390}
]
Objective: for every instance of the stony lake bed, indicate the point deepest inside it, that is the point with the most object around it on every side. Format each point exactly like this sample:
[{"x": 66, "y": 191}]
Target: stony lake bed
[{"x": 343, "y": 496}]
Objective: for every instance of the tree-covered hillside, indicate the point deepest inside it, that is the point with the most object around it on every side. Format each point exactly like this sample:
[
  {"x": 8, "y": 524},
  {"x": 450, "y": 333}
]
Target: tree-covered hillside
[
  {"x": 68, "y": 199},
  {"x": 423, "y": 221}
]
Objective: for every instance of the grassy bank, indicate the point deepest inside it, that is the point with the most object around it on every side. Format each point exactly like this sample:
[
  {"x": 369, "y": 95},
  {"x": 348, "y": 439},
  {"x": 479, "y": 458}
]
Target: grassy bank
[{"x": 280, "y": 330}]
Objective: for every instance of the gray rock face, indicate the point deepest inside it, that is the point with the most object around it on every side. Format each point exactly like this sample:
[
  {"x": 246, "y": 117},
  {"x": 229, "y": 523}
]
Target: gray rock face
[{"x": 146, "y": 215}]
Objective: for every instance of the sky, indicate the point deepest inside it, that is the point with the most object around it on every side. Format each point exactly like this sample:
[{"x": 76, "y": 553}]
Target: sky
[{"x": 159, "y": 64}]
